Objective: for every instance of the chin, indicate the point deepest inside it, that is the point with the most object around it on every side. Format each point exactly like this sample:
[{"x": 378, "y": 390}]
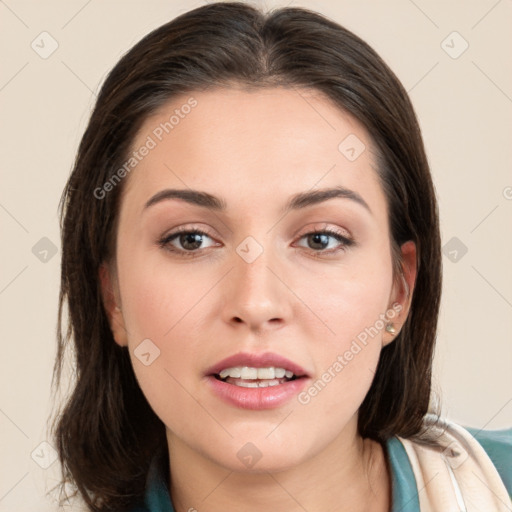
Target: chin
[
  {"x": 266, "y": 464},
  {"x": 257, "y": 457}
]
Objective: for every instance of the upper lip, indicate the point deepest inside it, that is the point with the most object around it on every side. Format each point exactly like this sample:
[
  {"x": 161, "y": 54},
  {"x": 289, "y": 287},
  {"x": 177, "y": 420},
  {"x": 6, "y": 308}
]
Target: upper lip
[{"x": 265, "y": 360}]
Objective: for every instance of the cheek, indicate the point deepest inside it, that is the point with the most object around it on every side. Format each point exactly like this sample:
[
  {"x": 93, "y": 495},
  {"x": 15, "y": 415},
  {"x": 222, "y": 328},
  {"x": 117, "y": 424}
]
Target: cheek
[
  {"x": 349, "y": 300},
  {"x": 158, "y": 301},
  {"x": 161, "y": 306},
  {"x": 158, "y": 296},
  {"x": 353, "y": 306}
]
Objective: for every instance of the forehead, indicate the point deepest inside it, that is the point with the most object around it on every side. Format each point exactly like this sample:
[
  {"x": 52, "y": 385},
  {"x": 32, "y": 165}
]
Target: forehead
[{"x": 231, "y": 141}]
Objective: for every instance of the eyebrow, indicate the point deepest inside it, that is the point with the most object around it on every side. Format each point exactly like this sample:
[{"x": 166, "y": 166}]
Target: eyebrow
[{"x": 296, "y": 202}]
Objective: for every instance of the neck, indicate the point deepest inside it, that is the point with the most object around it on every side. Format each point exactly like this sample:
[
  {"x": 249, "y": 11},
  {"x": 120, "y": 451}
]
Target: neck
[{"x": 350, "y": 474}]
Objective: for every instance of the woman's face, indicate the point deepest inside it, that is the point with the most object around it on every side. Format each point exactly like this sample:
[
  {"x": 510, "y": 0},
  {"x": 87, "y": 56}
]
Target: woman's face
[{"x": 258, "y": 280}]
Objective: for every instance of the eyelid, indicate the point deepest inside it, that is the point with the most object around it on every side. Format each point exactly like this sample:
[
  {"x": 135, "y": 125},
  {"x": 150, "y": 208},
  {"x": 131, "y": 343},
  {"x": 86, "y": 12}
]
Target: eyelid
[
  {"x": 186, "y": 228},
  {"x": 323, "y": 226}
]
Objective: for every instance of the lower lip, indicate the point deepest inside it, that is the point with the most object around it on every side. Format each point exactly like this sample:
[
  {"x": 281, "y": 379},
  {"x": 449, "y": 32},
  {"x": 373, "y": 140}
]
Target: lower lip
[{"x": 270, "y": 397}]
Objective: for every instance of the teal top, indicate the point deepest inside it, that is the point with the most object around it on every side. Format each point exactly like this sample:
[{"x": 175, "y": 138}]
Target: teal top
[{"x": 497, "y": 444}]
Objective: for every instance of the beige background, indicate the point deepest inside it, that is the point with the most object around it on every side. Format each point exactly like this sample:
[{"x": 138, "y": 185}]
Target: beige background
[{"x": 464, "y": 106}]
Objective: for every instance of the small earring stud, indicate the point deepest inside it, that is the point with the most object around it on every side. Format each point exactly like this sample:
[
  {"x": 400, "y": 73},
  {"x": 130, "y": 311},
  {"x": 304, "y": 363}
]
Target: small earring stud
[{"x": 390, "y": 328}]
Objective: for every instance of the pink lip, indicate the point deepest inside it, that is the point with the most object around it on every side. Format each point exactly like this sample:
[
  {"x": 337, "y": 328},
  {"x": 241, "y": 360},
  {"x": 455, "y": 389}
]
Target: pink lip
[
  {"x": 257, "y": 398},
  {"x": 256, "y": 361}
]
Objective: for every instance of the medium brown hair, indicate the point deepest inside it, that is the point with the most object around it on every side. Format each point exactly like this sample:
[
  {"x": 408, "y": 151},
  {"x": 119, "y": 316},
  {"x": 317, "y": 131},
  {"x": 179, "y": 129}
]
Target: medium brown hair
[{"x": 106, "y": 432}]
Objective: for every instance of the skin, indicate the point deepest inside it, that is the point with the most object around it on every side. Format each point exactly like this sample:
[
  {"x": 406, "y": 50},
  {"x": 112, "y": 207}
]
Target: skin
[{"x": 255, "y": 149}]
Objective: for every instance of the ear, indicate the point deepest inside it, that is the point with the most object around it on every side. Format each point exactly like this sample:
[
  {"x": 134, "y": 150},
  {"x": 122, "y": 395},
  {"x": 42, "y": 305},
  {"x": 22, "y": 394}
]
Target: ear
[
  {"x": 402, "y": 291},
  {"x": 111, "y": 304}
]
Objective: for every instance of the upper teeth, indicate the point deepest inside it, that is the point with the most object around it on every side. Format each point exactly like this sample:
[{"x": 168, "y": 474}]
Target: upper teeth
[{"x": 246, "y": 372}]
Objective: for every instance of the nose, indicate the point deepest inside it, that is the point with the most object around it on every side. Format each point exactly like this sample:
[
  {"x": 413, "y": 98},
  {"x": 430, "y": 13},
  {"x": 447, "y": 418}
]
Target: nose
[{"x": 255, "y": 294}]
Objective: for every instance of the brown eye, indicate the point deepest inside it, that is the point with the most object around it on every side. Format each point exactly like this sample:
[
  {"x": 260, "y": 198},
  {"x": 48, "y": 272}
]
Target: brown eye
[
  {"x": 319, "y": 241},
  {"x": 190, "y": 241},
  {"x": 186, "y": 241}
]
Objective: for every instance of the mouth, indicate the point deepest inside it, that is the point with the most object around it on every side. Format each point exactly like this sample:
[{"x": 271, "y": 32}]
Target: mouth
[
  {"x": 256, "y": 381},
  {"x": 252, "y": 377}
]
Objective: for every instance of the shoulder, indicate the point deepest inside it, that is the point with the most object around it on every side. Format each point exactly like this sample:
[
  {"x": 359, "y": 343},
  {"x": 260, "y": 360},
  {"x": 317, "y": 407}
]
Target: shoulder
[
  {"x": 498, "y": 446},
  {"x": 455, "y": 464}
]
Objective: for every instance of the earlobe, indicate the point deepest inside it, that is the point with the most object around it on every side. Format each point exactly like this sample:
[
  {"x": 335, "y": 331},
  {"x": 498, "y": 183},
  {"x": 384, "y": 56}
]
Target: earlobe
[
  {"x": 110, "y": 303},
  {"x": 402, "y": 292}
]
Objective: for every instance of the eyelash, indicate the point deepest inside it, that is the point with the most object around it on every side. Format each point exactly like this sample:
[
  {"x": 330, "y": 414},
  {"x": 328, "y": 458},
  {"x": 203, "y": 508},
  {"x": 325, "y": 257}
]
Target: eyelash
[{"x": 165, "y": 241}]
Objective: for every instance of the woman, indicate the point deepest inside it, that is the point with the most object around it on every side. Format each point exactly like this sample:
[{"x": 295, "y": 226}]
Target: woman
[{"x": 251, "y": 263}]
